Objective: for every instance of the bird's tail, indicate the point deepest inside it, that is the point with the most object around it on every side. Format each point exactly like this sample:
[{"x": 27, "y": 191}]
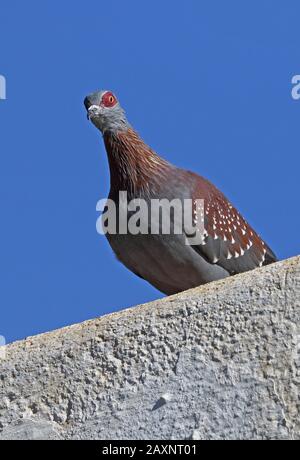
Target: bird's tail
[{"x": 270, "y": 257}]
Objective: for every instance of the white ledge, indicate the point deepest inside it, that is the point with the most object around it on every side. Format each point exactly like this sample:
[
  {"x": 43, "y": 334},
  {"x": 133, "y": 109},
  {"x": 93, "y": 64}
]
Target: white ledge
[{"x": 216, "y": 362}]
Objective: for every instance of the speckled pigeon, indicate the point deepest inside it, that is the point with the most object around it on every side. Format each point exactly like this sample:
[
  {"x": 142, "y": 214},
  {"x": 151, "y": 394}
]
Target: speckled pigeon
[{"x": 230, "y": 245}]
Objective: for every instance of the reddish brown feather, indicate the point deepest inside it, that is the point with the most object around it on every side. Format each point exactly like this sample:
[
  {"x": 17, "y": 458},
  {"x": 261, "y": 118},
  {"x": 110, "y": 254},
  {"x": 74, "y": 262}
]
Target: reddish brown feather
[{"x": 133, "y": 164}]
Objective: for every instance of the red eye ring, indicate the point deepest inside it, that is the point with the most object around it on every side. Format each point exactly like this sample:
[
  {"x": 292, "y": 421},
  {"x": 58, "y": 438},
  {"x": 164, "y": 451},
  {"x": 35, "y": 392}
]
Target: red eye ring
[{"x": 108, "y": 99}]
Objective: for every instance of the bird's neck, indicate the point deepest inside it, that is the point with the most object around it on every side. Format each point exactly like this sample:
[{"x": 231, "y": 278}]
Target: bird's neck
[{"x": 134, "y": 167}]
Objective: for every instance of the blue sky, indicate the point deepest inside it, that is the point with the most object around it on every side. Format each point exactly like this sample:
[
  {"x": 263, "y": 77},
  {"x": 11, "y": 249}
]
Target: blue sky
[{"x": 207, "y": 85}]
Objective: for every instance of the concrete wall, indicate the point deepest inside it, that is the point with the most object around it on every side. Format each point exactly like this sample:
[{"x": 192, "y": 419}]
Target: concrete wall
[{"x": 217, "y": 362}]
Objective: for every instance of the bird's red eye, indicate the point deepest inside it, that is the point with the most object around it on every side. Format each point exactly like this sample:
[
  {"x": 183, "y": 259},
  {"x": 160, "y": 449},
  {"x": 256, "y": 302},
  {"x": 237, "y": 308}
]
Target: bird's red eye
[{"x": 109, "y": 100}]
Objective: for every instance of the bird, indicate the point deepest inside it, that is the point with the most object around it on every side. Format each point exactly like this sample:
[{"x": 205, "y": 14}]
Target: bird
[{"x": 229, "y": 244}]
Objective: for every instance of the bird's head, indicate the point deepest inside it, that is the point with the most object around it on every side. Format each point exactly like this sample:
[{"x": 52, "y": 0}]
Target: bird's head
[{"x": 105, "y": 112}]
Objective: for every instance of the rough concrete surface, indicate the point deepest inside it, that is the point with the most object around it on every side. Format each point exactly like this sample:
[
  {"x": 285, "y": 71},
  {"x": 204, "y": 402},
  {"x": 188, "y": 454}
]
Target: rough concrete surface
[{"x": 217, "y": 362}]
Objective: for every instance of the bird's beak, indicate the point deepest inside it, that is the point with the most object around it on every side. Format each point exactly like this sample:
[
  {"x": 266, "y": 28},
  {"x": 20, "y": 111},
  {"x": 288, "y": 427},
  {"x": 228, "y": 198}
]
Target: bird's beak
[
  {"x": 91, "y": 103},
  {"x": 87, "y": 102},
  {"x": 92, "y": 99}
]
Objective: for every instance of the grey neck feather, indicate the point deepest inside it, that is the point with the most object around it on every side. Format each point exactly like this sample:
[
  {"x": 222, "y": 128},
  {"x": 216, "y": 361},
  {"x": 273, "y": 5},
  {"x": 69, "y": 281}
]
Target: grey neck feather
[{"x": 111, "y": 120}]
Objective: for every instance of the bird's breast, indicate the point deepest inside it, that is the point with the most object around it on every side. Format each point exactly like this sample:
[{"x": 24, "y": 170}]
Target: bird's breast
[{"x": 165, "y": 261}]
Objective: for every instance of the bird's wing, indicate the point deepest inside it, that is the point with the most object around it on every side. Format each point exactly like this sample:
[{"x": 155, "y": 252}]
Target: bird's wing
[{"x": 228, "y": 241}]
